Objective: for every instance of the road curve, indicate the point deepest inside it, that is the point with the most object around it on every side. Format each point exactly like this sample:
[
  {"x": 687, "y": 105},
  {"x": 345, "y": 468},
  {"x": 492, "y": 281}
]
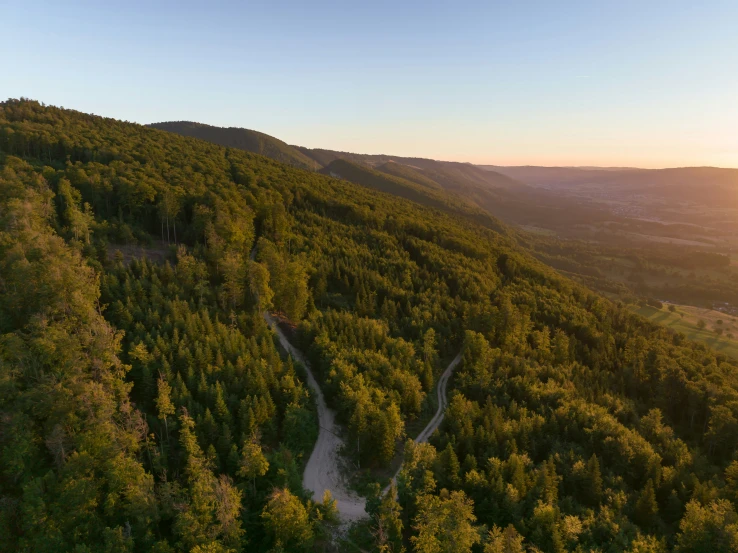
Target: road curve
[
  {"x": 322, "y": 471},
  {"x": 435, "y": 422}
]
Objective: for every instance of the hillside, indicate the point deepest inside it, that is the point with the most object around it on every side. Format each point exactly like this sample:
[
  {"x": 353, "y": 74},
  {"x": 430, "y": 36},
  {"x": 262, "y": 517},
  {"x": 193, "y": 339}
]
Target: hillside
[
  {"x": 587, "y": 222},
  {"x": 243, "y": 139},
  {"x": 146, "y": 406},
  {"x": 408, "y": 173},
  {"x": 450, "y": 175},
  {"x": 403, "y": 188},
  {"x": 498, "y": 194}
]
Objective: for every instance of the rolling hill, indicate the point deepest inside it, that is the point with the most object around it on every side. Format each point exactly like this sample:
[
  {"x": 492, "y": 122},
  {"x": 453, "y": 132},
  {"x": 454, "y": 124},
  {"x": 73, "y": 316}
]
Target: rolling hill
[
  {"x": 576, "y": 219},
  {"x": 408, "y": 173},
  {"x": 243, "y": 139},
  {"x": 500, "y": 195},
  {"x": 425, "y": 195}
]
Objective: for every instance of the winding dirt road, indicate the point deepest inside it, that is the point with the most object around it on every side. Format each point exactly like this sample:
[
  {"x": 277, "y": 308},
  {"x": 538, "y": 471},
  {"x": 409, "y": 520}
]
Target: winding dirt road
[
  {"x": 322, "y": 471},
  {"x": 437, "y": 419}
]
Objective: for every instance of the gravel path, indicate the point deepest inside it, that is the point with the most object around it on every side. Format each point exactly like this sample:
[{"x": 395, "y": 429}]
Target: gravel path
[
  {"x": 322, "y": 471},
  {"x": 435, "y": 422},
  {"x": 437, "y": 419}
]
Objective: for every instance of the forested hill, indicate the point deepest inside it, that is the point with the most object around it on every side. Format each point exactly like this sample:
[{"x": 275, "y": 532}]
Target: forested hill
[
  {"x": 411, "y": 190},
  {"x": 243, "y": 139},
  {"x": 144, "y": 405},
  {"x": 498, "y": 194}
]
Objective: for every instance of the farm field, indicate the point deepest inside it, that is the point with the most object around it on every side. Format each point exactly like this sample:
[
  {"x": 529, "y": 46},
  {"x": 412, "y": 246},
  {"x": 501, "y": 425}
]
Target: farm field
[{"x": 685, "y": 319}]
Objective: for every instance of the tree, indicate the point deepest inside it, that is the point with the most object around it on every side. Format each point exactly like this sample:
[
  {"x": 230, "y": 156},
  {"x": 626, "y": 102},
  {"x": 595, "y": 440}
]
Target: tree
[
  {"x": 722, "y": 429},
  {"x": 449, "y": 466},
  {"x": 164, "y": 404},
  {"x": 594, "y": 485},
  {"x": 504, "y": 541},
  {"x": 294, "y": 296},
  {"x": 77, "y": 220},
  {"x": 259, "y": 285},
  {"x": 388, "y": 523},
  {"x": 233, "y": 279},
  {"x": 253, "y": 462},
  {"x": 708, "y": 529},
  {"x": 327, "y": 508},
  {"x": 646, "y": 508},
  {"x": 286, "y": 521},
  {"x": 731, "y": 480},
  {"x": 544, "y": 526},
  {"x": 212, "y": 511},
  {"x": 445, "y": 524},
  {"x": 169, "y": 206}
]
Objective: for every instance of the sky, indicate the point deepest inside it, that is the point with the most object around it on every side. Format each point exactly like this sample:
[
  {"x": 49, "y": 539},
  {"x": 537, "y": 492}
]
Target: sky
[{"x": 607, "y": 83}]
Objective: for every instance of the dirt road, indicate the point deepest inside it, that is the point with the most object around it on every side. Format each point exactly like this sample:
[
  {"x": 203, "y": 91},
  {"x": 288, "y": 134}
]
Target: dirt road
[
  {"x": 435, "y": 422},
  {"x": 322, "y": 471}
]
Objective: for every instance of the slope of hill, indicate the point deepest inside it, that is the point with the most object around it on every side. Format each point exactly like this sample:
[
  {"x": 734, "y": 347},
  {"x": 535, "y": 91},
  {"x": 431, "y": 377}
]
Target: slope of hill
[
  {"x": 450, "y": 175},
  {"x": 568, "y": 209},
  {"x": 627, "y": 177},
  {"x": 488, "y": 190},
  {"x": 432, "y": 197},
  {"x": 408, "y": 173},
  {"x": 175, "y": 425},
  {"x": 243, "y": 139}
]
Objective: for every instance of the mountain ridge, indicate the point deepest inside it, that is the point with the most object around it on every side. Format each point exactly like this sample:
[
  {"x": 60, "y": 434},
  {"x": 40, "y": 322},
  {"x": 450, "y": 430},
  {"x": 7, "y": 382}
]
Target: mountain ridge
[{"x": 236, "y": 137}]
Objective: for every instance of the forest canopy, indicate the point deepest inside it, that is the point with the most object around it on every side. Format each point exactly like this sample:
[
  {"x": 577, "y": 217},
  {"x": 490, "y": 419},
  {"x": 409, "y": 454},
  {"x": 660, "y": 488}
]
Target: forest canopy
[{"x": 145, "y": 405}]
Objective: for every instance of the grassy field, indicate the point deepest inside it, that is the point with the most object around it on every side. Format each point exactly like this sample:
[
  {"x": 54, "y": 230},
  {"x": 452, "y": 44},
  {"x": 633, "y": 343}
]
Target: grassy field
[{"x": 686, "y": 320}]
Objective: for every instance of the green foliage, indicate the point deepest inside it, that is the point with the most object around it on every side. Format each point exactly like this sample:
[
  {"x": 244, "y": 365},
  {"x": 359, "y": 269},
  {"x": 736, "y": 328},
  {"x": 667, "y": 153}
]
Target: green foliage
[
  {"x": 444, "y": 524},
  {"x": 70, "y": 439},
  {"x": 244, "y": 139},
  {"x": 570, "y": 422},
  {"x": 712, "y": 528},
  {"x": 287, "y": 522}
]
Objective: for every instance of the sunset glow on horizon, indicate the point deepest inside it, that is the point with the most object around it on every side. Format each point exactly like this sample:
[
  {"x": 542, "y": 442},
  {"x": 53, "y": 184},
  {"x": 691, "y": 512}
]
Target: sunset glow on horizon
[{"x": 584, "y": 84}]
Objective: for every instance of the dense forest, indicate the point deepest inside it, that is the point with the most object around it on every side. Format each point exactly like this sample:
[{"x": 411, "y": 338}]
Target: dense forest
[
  {"x": 145, "y": 405},
  {"x": 628, "y": 258}
]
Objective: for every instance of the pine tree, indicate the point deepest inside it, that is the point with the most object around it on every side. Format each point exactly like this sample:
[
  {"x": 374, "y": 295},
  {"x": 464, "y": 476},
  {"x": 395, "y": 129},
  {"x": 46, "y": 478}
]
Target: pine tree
[
  {"x": 594, "y": 485},
  {"x": 164, "y": 404},
  {"x": 388, "y": 523},
  {"x": 253, "y": 462},
  {"x": 450, "y": 467},
  {"x": 445, "y": 524},
  {"x": 646, "y": 508},
  {"x": 504, "y": 541},
  {"x": 286, "y": 521}
]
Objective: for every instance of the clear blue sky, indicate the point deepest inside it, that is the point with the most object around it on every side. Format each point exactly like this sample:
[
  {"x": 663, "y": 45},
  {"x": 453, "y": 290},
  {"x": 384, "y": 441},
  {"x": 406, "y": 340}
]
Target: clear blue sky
[{"x": 647, "y": 83}]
